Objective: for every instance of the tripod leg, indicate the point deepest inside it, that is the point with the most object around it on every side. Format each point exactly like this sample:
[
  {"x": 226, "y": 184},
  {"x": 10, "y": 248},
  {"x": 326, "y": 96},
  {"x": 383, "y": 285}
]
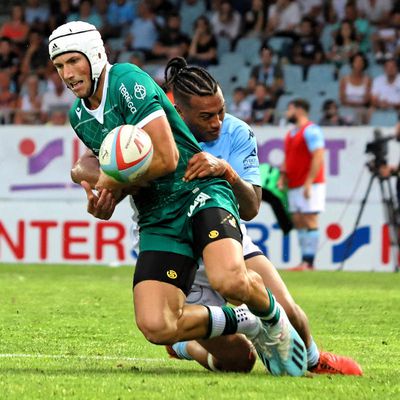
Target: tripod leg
[
  {"x": 358, "y": 218},
  {"x": 391, "y": 220}
]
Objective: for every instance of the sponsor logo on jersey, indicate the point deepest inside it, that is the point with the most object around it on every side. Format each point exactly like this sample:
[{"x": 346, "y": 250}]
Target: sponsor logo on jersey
[
  {"x": 213, "y": 234},
  {"x": 172, "y": 274},
  {"x": 78, "y": 112},
  {"x": 251, "y": 161},
  {"x": 128, "y": 98},
  {"x": 199, "y": 201},
  {"x": 139, "y": 91}
]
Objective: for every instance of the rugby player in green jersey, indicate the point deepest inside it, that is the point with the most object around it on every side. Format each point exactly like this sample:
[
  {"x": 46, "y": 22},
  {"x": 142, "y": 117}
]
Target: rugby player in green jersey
[{"x": 179, "y": 221}]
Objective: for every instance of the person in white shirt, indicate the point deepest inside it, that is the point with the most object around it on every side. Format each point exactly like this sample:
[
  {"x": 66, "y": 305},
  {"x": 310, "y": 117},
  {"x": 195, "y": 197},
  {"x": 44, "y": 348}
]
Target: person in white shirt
[
  {"x": 376, "y": 11},
  {"x": 386, "y": 87},
  {"x": 57, "y": 96},
  {"x": 283, "y": 17},
  {"x": 240, "y": 107}
]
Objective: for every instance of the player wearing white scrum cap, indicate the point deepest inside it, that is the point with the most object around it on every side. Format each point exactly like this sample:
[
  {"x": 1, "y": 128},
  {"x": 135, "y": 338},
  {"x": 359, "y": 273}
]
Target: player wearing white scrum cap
[
  {"x": 81, "y": 37},
  {"x": 179, "y": 220}
]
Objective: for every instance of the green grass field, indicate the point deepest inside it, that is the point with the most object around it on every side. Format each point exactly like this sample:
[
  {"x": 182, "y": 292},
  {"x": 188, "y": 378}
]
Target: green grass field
[{"x": 68, "y": 332}]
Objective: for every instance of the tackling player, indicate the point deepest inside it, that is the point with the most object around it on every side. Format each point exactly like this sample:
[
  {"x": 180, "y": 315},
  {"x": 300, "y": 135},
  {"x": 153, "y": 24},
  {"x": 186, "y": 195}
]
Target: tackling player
[
  {"x": 227, "y": 143},
  {"x": 180, "y": 220}
]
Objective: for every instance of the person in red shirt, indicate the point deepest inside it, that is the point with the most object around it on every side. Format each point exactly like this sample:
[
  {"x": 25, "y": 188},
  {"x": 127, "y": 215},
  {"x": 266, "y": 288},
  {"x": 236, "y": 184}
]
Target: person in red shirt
[{"x": 303, "y": 175}]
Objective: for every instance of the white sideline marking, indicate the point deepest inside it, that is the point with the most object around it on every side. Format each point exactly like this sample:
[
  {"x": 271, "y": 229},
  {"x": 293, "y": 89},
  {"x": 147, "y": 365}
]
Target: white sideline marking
[{"x": 71, "y": 356}]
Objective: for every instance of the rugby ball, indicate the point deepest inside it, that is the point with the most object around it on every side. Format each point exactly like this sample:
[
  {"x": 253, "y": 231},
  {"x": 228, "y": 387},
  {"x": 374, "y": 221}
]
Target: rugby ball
[{"x": 126, "y": 153}]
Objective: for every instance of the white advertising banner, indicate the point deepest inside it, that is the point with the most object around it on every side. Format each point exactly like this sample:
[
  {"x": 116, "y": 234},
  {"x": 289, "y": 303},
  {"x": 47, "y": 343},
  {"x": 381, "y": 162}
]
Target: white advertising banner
[{"x": 43, "y": 215}]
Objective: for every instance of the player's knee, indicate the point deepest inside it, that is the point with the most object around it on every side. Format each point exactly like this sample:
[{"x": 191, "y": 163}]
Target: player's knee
[
  {"x": 235, "y": 287},
  {"x": 157, "y": 330}
]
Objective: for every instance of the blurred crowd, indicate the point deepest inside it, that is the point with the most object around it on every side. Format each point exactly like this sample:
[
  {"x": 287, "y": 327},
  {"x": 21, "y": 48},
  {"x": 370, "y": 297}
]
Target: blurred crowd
[{"x": 341, "y": 55}]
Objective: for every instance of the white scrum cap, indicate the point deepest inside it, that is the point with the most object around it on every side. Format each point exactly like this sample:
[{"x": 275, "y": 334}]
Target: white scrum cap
[{"x": 81, "y": 37}]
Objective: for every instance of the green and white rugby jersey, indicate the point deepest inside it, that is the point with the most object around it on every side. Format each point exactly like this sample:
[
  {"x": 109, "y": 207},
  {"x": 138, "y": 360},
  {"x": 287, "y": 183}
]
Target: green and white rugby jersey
[{"x": 130, "y": 96}]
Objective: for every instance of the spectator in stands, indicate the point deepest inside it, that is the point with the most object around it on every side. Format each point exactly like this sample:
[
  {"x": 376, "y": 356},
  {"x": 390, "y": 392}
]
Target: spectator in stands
[
  {"x": 143, "y": 33},
  {"x": 37, "y": 15},
  {"x": 307, "y": 49},
  {"x": 240, "y": 107},
  {"x": 57, "y": 96},
  {"x": 88, "y": 14},
  {"x": 59, "y": 12},
  {"x": 101, "y": 9},
  {"x": 355, "y": 89},
  {"x": 345, "y": 44},
  {"x": 16, "y": 29},
  {"x": 203, "y": 47},
  {"x": 361, "y": 24},
  {"x": 9, "y": 59},
  {"x": 385, "y": 38},
  {"x": 376, "y": 11},
  {"x": 331, "y": 116},
  {"x": 190, "y": 11},
  {"x": 255, "y": 20},
  {"x": 29, "y": 103},
  {"x": 161, "y": 7},
  {"x": 386, "y": 87},
  {"x": 311, "y": 8},
  {"x": 171, "y": 41},
  {"x": 138, "y": 58},
  {"x": 283, "y": 18},
  {"x": 120, "y": 16},
  {"x": 267, "y": 72},
  {"x": 262, "y": 107},
  {"x": 35, "y": 60},
  {"x": 226, "y": 21},
  {"x": 58, "y": 116},
  {"x": 7, "y": 97}
]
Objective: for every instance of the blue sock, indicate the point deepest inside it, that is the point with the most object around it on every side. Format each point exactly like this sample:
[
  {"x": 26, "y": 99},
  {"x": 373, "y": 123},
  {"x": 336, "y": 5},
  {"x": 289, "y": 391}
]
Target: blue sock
[
  {"x": 301, "y": 235},
  {"x": 180, "y": 349},
  {"x": 312, "y": 355},
  {"x": 310, "y": 245}
]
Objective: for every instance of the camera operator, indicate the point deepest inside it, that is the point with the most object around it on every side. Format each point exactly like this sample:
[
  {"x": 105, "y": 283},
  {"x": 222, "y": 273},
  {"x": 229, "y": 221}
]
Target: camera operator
[{"x": 387, "y": 170}]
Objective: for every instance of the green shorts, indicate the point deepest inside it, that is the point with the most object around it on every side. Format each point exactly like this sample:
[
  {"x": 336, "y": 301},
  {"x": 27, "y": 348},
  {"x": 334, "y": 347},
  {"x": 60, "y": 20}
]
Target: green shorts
[{"x": 170, "y": 228}]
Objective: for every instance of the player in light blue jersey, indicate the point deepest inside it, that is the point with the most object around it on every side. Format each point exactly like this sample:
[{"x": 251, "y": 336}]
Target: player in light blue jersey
[{"x": 230, "y": 148}]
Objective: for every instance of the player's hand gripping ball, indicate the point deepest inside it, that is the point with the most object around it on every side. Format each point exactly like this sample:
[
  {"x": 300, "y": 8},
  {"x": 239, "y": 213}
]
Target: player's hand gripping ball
[{"x": 126, "y": 153}]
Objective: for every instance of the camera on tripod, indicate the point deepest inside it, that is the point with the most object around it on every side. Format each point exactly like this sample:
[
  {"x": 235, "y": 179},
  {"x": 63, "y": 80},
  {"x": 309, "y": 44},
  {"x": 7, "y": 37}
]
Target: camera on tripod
[{"x": 379, "y": 149}]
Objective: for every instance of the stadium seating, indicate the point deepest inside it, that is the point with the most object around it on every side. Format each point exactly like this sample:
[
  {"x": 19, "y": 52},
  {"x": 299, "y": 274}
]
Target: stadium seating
[
  {"x": 231, "y": 60},
  {"x": 224, "y": 46},
  {"x": 321, "y": 73},
  {"x": 280, "y": 45},
  {"x": 344, "y": 70},
  {"x": 384, "y": 118},
  {"x": 117, "y": 44},
  {"x": 293, "y": 77},
  {"x": 249, "y": 48},
  {"x": 124, "y": 57},
  {"x": 375, "y": 70}
]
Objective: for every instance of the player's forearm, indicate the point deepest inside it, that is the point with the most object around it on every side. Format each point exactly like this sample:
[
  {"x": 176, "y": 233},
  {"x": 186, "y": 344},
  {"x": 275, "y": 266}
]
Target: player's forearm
[
  {"x": 159, "y": 167},
  {"x": 248, "y": 197},
  {"x": 316, "y": 164}
]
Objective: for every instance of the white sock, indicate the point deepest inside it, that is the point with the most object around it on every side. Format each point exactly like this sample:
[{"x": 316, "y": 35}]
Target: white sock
[
  {"x": 248, "y": 323},
  {"x": 217, "y": 320}
]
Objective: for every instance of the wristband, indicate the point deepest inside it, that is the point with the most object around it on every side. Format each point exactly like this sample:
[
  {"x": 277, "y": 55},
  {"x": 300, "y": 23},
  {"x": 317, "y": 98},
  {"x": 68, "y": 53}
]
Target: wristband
[{"x": 230, "y": 174}]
